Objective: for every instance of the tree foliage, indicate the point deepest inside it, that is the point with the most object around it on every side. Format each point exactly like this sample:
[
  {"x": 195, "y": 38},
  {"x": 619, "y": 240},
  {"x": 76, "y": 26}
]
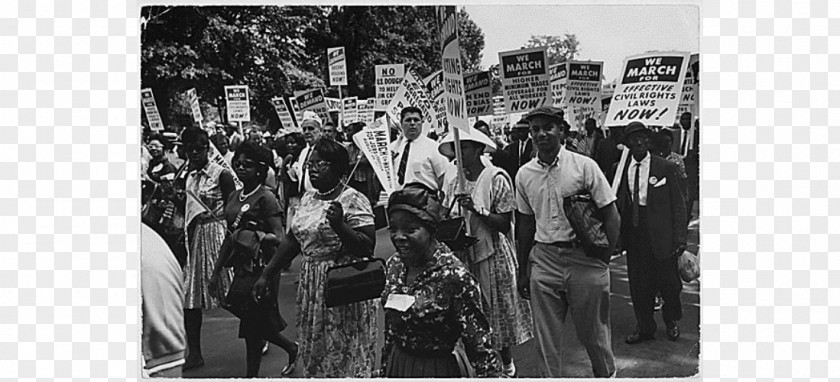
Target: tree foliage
[
  {"x": 279, "y": 50},
  {"x": 560, "y": 48}
]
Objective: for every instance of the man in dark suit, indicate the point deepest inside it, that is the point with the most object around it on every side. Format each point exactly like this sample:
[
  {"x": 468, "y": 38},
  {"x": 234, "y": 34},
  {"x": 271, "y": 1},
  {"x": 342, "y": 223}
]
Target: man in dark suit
[
  {"x": 687, "y": 144},
  {"x": 520, "y": 150},
  {"x": 653, "y": 232},
  {"x": 607, "y": 152}
]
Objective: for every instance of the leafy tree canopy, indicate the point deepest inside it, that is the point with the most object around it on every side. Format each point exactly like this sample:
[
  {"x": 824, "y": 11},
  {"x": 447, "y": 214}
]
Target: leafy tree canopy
[{"x": 279, "y": 50}]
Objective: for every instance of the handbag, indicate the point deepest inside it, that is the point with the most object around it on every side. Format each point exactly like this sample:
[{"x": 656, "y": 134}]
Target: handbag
[
  {"x": 453, "y": 232},
  {"x": 585, "y": 219},
  {"x": 688, "y": 266},
  {"x": 240, "y": 302},
  {"x": 349, "y": 283}
]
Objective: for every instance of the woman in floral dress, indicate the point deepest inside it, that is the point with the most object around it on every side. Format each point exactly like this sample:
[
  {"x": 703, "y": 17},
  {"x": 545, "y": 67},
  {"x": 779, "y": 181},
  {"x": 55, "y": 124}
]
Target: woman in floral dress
[
  {"x": 333, "y": 225},
  {"x": 488, "y": 195},
  {"x": 434, "y": 324},
  {"x": 208, "y": 185}
]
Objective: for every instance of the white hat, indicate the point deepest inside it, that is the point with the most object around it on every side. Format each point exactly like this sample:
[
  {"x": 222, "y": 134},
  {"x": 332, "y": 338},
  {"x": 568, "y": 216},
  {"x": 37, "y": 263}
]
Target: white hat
[
  {"x": 309, "y": 114},
  {"x": 447, "y": 146}
]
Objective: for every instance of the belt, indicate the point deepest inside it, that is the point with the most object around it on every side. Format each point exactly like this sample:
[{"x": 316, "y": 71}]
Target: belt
[
  {"x": 565, "y": 244},
  {"x": 440, "y": 353}
]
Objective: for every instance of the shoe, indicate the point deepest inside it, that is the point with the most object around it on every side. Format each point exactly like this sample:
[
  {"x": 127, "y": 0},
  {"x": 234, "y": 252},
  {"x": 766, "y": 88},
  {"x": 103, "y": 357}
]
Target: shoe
[
  {"x": 673, "y": 331},
  {"x": 290, "y": 367},
  {"x": 509, "y": 370},
  {"x": 637, "y": 337},
  {"x": 265, "y": 348}
]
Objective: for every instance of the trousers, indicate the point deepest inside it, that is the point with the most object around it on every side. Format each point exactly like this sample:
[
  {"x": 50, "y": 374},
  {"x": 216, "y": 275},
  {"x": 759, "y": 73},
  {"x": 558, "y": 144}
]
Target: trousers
[
  {"x": 566, "y": 280},
  {"x": 649, "y": 275}
]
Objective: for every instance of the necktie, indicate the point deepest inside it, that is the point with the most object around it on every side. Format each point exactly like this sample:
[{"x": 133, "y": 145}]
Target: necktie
[
  {"x": 636, "y": 196},
  {"x": 403, "y": 163},
  {"x": 305, "y": 168},
  {"x": 684, "y": 142}
]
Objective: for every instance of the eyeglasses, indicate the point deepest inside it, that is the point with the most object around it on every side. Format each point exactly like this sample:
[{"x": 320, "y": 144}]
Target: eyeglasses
[
  {"x": 638, "y": 138},
  {"x": 319, "y": 164},
  {"x": 246, "y": 163},
  {"x": 154, "y": 146}
]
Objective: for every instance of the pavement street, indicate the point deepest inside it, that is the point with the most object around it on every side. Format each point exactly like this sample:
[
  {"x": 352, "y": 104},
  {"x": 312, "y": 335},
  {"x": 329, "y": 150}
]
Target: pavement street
[{"x": 224, "y": 353}]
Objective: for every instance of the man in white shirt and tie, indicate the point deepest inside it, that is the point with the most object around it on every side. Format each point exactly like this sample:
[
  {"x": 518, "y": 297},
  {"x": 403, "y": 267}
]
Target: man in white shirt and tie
[
  {"x": 653, "y": 231},
  {"x": 417, "y": 158}
]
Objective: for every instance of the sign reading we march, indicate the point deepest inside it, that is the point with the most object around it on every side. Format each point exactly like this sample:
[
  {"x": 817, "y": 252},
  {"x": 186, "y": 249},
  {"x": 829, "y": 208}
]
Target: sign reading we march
[
  {"x": 649, "y": 90},
  {"x": 525, "y": 79},
  {"x": 238, "y": 108},
  {"x": 582, "y": 96}
]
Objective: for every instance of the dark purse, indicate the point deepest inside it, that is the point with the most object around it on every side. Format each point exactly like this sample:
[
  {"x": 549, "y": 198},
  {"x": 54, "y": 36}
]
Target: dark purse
[
  {"x": 240, "y": 302},
  {"x": 453, "y": 232},
  {"x": 360, "y": 280},
  {"x": 587, "y": 222}
]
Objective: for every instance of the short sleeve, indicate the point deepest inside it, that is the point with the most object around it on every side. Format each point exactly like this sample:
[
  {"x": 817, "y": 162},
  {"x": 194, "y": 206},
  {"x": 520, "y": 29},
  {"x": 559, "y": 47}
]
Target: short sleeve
[
  {"x": 357, "y": 209},
  {"x": 597, "y": 184},
  {"x": 270, "y": 206},
  {"x": 503, "y": 199},
  {"x": 522, "y": 203}
]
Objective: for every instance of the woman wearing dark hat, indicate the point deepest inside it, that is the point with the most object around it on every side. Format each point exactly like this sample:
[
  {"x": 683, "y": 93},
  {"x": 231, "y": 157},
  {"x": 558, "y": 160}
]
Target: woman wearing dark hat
[
  {"x": 431, "y": 300},
  {"x": 255, "y": 206},
  {"x": 488, "y": 195},
  {"x": 333, "y": 225}
]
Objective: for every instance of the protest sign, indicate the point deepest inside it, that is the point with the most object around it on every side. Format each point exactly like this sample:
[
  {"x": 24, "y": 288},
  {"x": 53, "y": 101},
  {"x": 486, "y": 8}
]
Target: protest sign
[
  {"x": 583, "y": 92},
  {"x": 649, "y": 89},
  {"x": 238, "y": 107},
  {"x": 558, "y": 74},
  {"x": 374, "y": 143},
  {"x": 365, "y": 110},
  {"x": 286, "y": 121},
  {"x": 214, "y": 156},
  {"x": 313, "y": 100},
  {"x": 412, "y": 92},
  {"x": 690, "y": 89},
  {"x": 525, "y": 79},
  {"x": 388, "y": 80},
  {"x": 333, "y": 104},
  {"x": 195, "y": 106},
  {"x": 498, "y": 105},
  {"x": 349, "y": 110},
  {"x": 152, "y": 114},
  {"x": 338, "y": 66},
  {"x": 294, "y": 106},
  {"x": 453, "y": 78},
  {"x": 500, "y": 121},
  {"x": 478, "y": 93},
  {"x": 434, "y": 87}
]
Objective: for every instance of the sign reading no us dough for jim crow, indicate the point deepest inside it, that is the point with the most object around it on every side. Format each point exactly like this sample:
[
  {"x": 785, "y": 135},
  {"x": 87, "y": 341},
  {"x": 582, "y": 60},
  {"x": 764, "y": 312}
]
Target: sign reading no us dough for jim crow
[
  {"x": 526, "y": 82},
  {"x": 479, "y": 94},
  {"x": 649, "y": 90},
  {"x": 338, "y": 66},
  {"x": 150, "y": 107},
  {"x": 453, "y": 78},
  {"x": 238, "y": 107},
  {"x": 388, "y": 80}
]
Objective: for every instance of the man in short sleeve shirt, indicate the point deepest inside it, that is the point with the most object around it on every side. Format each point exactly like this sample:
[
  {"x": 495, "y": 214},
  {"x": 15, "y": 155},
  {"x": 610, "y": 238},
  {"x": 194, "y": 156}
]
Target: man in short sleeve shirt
[{"x": 555, "y": 273}]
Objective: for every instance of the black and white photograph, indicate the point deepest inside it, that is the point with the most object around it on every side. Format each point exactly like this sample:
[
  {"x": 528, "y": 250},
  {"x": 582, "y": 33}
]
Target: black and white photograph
[{"x": 447, "y": 191}]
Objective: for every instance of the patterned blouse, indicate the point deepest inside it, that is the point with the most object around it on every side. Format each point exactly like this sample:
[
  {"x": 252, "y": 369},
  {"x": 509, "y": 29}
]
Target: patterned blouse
[{"x": 447, "y": 307}]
